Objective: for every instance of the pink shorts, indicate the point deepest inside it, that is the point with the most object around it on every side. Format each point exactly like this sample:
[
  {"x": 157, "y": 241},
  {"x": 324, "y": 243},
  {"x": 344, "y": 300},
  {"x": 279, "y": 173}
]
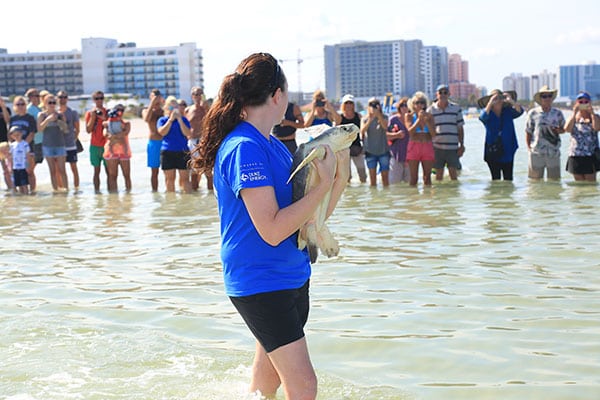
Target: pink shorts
[{"x": 420, "y": 151}]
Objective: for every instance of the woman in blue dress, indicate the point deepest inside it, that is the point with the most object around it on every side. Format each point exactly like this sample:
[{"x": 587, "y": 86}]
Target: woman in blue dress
[{"x": 266, "y": 275}]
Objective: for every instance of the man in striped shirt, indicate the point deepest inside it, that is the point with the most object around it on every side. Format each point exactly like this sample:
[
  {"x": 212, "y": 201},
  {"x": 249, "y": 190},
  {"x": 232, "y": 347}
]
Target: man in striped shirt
[{"x": 448, "y": 143}]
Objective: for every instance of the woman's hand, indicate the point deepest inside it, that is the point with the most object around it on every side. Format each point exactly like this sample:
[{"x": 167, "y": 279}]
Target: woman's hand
[{"x": 326, "y": 167}]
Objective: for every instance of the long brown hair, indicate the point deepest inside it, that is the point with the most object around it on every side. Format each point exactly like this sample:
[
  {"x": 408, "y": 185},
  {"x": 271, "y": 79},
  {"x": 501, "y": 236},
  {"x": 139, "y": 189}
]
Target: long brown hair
[{"x": 255, "y": 79}]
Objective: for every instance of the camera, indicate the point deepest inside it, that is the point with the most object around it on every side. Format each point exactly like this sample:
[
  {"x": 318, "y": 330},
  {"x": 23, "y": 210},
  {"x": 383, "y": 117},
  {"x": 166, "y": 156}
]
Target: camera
[
  {"x": 319, "y": 103},
  {"x": 98, "y": 112},
  {"x": 374, "y": 105}
]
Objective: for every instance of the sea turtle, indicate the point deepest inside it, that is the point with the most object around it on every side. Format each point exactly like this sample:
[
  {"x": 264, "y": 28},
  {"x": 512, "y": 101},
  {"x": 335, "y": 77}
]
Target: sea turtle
[{"x": 314, "y": 233}]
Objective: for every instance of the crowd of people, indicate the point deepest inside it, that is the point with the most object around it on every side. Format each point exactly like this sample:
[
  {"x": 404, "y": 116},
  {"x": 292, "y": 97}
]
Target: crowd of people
[
  {"x": 421, "y": 136},
  {"x": 429, "y": 136},
  {"x": 43, "y": 127}
]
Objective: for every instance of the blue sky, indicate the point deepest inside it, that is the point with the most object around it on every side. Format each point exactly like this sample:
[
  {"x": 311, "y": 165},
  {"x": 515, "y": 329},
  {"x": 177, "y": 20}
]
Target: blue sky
[{"x": 524, "y": 36}]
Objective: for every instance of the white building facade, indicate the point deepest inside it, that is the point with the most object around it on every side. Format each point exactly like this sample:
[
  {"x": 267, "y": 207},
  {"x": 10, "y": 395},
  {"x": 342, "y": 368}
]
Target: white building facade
[{"x": 106, "y": 65}]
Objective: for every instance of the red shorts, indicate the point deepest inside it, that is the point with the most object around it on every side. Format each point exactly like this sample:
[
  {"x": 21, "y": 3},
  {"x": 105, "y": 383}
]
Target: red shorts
[{"x": 420, "y": 151}]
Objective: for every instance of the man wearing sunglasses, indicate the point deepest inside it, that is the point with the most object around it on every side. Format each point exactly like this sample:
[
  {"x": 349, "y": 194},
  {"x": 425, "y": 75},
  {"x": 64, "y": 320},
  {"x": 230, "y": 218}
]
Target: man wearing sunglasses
[{"x": 542, "y": 135}]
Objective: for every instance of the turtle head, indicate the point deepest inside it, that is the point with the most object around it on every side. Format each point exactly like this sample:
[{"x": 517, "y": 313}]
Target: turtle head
[{"x": 342, "y": 136}]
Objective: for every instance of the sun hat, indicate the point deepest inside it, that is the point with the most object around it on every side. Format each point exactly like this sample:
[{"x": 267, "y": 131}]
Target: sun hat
[
  {"x": 347, "y": 97},
  {"x": 17, "y": 128},
  {"x": 544, "y": 90},
  {"x": 482, "y": 102}
]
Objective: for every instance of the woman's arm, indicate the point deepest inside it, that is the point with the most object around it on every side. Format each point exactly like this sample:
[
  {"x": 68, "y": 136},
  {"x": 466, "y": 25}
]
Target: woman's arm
[
  {"x": 275, "y": 224},
  {"x": 571, "y": 121},
  {"x": 187, "y": 132}
]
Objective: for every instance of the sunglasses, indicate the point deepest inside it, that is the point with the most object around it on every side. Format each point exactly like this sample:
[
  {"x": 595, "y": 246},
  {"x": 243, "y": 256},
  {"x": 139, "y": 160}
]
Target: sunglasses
[
  {"x": 403, "y": 105},
  {"x": 443, "y": 92},
  {"x": 98, "y": 98},
  {"x": 583, "y": 101},
  {"x": 182, "y": 104},
  {"x": 421, "y": 102},
  {"x": 196, "y": 94},
  {"x": 34, "y": 95},
  {"x": 63, "y": 97},
  {"x": 546, "y": 96},
  {"x": 51, "y": 102},
  {"x": 19, "y": 104}
]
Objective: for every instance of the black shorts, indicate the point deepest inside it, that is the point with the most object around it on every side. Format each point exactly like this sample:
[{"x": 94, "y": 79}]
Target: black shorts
[
  {"x": 275, "y": 318},
  {"x": 174, "y": 159},
  {"x": 583, "y": 165},
  {"x": 20, "y": 177},
  {"x": 71, "y": 156},
  {"x": 38, "y": 153}
]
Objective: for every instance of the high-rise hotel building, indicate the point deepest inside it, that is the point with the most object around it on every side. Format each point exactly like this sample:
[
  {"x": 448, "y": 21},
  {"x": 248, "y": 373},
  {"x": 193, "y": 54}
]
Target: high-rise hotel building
[
  {"x": 400, "y": 67},
  {"x": 574, "y": 78},
  {"x": 107, "y": 65}
]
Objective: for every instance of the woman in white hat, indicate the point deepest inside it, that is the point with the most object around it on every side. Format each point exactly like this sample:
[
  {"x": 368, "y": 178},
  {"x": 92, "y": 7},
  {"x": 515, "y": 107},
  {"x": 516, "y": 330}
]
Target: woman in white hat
[{"x": 542, "y": 135}]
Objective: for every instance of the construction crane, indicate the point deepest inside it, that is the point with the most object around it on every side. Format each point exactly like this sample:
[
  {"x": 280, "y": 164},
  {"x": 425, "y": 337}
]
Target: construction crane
[{"x": 299, "y": 62}]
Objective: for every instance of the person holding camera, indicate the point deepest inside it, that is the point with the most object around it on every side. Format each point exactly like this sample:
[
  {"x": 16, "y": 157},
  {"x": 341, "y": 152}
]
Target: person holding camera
[
  {"x": 54, "y": 128},
  {"x": 174, "y": 152},
  {"x": 373, "y": 133},
  {"x": 584, "y": 124},
  {"x": 151, "y": 114},
  {"x": 499, "y": 111},
  {"x": 116, "y": 150},
  {"x": 421, "y": 130},
  {"x": 348, "y": 115},
  {"x": 322, "y": 112},
  {"x": 94, "y": 119}
]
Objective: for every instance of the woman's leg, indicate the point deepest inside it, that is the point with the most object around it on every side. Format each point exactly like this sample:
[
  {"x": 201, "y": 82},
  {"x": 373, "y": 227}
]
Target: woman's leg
[
  {"x": 61, "y": 172},
  {"x": 52, "y": 170},
  {"x": 295, "y": 370},
  {"x": 112, "y": 166},
  {"x": 264, "y": 376},
  {"x": 184, "y": 178},
  {"x": 590, "y": 177},
  {"x": 126, "y": 170},
  {"x": 427, "y": 166},
  {"x": 494, "y": 170},
  {"x": 170, "y": 179},
  {"x": 413, "y": 166},
  {"x": 507, "y": 171}
]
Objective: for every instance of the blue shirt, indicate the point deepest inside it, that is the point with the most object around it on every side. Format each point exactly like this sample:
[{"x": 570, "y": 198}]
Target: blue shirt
[
  {"x": 246, "y": 159},
  {"x": 175, "y": 140},
  {"x": 504, "y": 123}
]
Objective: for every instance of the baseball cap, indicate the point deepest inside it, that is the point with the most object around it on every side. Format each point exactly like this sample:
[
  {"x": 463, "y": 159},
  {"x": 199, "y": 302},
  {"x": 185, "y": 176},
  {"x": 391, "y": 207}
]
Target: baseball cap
[
  {"x": 347, "y": 98},
  {"x": 17, "y": 128},
  {"x": 584, "y": 95},
  {"x": 441, "y": 87}
]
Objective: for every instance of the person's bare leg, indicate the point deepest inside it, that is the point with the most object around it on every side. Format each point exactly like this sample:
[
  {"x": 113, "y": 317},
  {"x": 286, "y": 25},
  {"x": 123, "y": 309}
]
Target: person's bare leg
[
  {"x": 295, "y": 370},
  {"x": 264, "y": 376}
]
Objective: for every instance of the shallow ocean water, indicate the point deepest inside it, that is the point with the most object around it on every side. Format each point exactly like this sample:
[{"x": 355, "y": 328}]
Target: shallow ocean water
[{"x": 470, "y": 290}]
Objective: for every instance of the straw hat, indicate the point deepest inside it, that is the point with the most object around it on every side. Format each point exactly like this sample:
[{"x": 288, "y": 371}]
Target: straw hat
[
  {"x": 544, "y": 90},
  {"x": 482, "y": 102}
]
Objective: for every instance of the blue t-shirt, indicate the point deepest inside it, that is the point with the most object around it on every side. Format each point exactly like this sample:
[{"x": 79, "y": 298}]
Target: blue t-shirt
[
  {"x": 175, "y": 140},
  {"x": 246, "y": 159}
]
